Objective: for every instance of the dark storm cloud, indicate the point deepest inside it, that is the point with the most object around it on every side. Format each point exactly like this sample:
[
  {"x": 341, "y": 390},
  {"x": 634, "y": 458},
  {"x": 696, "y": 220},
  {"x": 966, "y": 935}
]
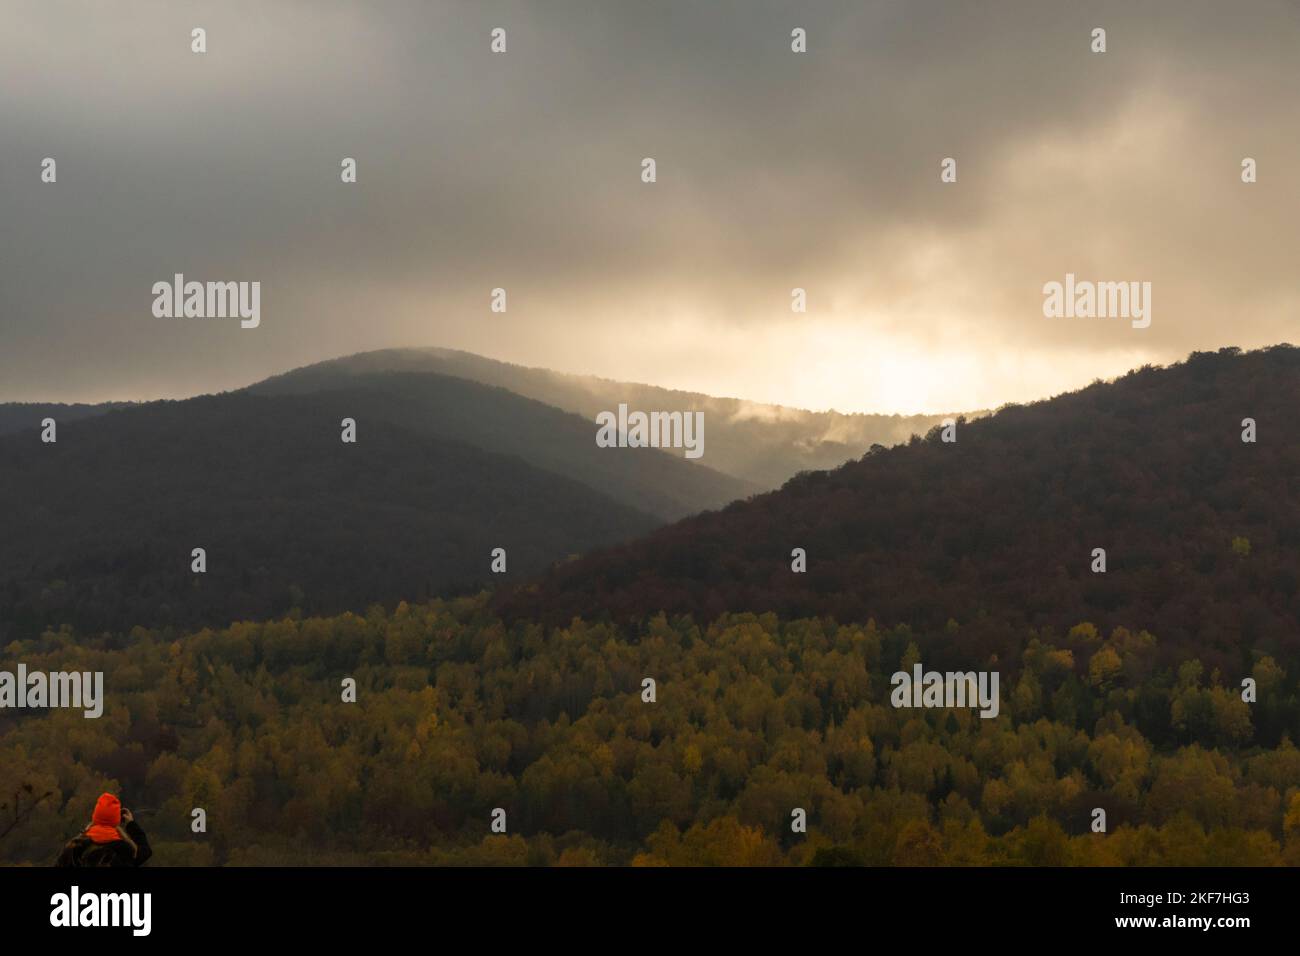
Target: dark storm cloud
[{"x": 775, "y": 170}]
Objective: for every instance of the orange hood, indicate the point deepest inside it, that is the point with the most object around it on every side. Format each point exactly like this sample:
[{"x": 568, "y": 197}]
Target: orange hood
[{"x": 107, "y": 817}]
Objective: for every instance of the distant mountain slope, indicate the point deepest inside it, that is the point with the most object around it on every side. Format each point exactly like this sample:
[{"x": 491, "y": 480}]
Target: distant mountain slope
[
  {"x": 997, "y": 530},
  {"x": 762, "y": 444},
  {"x": 16, "y": 416},
  {"x": 99, "y": 527},
  {"x": 500, "y": 421}
]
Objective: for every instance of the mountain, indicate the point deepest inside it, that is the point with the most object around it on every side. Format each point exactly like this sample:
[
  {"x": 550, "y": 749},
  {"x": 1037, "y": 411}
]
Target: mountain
[
  {"x": 1119, "y": 691},
  {"x": 497, "y": 420},
  {"x": 761, "y": 444},
  {"x": 992, "y": 536},
  {"x": 16, "y": 416},
  {"x": 99, "y": 526}
]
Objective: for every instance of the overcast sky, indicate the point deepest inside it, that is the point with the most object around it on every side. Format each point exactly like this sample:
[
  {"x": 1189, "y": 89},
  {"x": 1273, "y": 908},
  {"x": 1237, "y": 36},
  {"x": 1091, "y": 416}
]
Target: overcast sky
[{"x": 522, "y": 170}]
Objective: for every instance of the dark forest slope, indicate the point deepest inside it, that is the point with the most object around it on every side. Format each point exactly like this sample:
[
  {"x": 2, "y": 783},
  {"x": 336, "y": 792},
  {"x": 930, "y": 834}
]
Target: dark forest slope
[
  {"x": 497, "y": 420},
  {"x": 99, "y": 527},
  {"x": 17, "y": 416},
  {"x": 996, "y": 530}
]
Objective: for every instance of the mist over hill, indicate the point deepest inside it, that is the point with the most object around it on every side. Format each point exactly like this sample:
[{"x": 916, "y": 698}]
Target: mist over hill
[
  {"x": 759, "y": 443},
  {"x": 443, "y": 406}
]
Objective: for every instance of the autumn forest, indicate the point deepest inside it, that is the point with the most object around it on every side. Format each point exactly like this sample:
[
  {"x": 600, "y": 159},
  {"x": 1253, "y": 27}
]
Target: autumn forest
[{"x": 689, "y": 697}]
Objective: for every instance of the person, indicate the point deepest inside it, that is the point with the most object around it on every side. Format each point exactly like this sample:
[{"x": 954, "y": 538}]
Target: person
[{"x": 112, "y": 839}]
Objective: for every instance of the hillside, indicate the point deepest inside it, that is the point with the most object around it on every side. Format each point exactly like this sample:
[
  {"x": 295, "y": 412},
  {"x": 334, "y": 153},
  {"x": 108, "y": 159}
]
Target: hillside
[
  {"x": 761, "y": 444},
  {"x": 17, "y": 416},
  {"x": 290, "y": 516},
  {"x": 497, "y": 420},
  {"x": 1119, "y": 691},
  {"x": 995, "y": 532}
]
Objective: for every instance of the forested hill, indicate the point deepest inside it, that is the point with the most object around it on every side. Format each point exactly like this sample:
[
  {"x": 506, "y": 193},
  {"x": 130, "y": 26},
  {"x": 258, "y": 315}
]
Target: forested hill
[
  {"x": 758, "y": 443},
  {"x": 100, "y": 526},
  {"x": 17, "y": 416},
  {"x": 996, "y": 530},
  {"x": 497, "y": 420}
]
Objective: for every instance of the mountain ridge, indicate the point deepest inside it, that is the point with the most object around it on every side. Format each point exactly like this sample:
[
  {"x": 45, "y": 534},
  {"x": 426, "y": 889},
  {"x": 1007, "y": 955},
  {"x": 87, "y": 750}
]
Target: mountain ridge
[
  {"x": 498, "y": 420},
  {"x": 996, "y": 530},
  {"x": 760, "y": 443},
  {"x": 289, "y": 515}
]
